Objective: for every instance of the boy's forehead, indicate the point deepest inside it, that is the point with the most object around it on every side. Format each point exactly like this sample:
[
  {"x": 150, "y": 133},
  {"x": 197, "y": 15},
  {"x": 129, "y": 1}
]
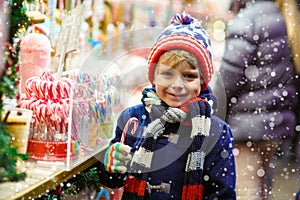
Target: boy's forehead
[{"x": 161, "y": 66}]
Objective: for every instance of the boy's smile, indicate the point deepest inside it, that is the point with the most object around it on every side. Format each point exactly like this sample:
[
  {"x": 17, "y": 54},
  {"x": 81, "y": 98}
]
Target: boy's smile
[{"x": 176, "y": 85}]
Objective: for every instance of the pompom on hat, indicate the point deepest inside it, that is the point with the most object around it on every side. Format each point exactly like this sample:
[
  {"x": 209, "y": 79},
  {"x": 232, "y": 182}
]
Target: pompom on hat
[{"x": 184, "y": 33}]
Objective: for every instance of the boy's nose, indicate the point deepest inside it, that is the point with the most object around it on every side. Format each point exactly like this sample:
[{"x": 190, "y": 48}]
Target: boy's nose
[{"x": 178, "y": 82}]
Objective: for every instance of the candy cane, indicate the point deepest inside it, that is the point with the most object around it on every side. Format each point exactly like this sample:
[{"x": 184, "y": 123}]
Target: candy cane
[{"x": 133, "y": 120}]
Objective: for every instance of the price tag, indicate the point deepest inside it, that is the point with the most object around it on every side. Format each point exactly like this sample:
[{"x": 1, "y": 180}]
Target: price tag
[{"x": 69, "y": 33}]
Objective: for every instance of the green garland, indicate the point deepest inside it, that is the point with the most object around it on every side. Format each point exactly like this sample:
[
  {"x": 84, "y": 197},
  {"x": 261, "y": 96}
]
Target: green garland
[
  {"x": 86, "y": 179},
  {"x": 8, "y": 154},
  {"x": 83, "y": 180}
]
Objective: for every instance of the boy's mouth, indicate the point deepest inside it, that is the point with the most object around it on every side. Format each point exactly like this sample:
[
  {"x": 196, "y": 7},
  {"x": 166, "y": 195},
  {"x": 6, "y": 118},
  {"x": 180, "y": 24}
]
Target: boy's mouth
[{"x": 176, "y": 96}]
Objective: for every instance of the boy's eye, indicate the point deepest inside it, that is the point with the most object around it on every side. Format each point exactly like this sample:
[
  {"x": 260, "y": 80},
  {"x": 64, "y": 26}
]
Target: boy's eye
[
  {"x": 167, "y": 73},
  {"x": 190, "y": 76}
]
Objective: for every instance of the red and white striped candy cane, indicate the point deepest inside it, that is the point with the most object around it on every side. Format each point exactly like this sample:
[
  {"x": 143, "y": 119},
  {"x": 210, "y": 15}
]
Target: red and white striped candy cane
[{"x": 133, "y": 120}]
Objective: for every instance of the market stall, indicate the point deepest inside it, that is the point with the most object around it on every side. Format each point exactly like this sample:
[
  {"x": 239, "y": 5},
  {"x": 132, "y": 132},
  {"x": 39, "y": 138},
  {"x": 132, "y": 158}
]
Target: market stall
[
  {"x": 68, "y": 75},
  {"x": 66, "y": 91}
]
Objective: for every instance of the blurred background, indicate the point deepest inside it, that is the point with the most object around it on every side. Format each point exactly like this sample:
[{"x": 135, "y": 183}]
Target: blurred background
[{"x": 122, "y": 31}]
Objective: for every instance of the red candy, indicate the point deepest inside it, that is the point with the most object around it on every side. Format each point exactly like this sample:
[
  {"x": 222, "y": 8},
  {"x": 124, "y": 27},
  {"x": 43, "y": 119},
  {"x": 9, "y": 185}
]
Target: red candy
[{"x": 49, "y": 99}]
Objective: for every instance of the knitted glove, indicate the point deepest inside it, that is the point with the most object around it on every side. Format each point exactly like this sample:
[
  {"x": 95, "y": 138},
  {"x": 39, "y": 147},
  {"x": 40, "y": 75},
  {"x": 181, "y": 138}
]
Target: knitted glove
[
  {"x": 170, "y": 115},
  {"x": 116, "y": 157}
]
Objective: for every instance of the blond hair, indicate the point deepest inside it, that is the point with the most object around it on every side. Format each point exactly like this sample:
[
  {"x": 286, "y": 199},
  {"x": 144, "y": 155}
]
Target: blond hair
[
  {"x": 176, "y": 56},
  {"x": 289, "y": 10}
]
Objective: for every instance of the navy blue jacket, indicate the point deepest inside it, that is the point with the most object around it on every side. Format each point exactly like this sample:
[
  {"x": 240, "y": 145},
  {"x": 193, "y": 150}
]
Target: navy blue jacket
[{"x": 169, "y": 161}]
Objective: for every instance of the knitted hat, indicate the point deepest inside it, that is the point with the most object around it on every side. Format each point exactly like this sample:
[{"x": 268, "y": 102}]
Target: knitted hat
[{"x": 184, "y": 33}]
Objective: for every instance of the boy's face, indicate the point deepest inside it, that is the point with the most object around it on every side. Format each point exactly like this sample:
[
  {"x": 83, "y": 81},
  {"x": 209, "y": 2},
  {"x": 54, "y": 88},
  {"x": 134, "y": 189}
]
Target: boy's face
[{"x": 176, "y": 85}]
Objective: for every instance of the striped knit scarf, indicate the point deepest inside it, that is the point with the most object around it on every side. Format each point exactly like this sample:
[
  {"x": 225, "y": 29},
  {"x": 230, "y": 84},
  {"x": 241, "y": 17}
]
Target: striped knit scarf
[{"x": 199, "y": 112}]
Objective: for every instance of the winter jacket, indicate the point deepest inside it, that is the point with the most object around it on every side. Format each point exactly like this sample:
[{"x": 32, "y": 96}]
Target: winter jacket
[
  {"x": 170, "y": 159},
  {"x": 258, "y": 75}
]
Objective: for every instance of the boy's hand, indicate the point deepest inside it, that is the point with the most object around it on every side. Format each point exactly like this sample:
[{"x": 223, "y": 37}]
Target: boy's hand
[{"x": 116, "y": 157}]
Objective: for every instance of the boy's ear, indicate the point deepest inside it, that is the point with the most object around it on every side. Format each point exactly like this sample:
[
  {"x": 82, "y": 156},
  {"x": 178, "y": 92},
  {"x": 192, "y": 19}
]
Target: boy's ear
[
  {"x": 154, "y": 75},
  {"x": 154, "y": 81},
  {"x": 201, "y": 80}
]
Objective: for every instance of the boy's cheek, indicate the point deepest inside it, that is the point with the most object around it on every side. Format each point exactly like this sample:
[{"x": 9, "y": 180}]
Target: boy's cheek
[{"x": 161, "y": 82}]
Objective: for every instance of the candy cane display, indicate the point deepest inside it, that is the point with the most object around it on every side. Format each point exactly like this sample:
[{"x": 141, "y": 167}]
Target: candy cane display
[{"x": 49, "y": 99}]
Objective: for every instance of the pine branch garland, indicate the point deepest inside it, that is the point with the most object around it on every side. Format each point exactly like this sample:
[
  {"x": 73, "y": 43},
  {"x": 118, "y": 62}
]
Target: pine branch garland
[{"x": 8, "y": 154}]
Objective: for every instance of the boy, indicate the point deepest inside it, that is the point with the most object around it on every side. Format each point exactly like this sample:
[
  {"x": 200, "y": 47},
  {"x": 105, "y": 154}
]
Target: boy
[{"x": 179, "y": 149}]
